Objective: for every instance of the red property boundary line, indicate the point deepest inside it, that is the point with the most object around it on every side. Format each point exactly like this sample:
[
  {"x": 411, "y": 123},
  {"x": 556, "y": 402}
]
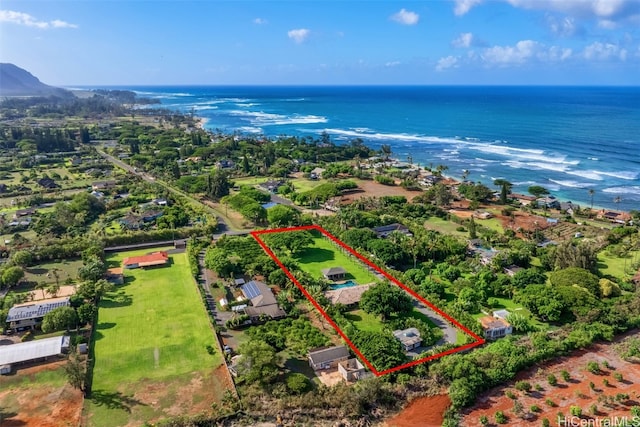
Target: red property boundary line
[{"x": 478, "y": 340}]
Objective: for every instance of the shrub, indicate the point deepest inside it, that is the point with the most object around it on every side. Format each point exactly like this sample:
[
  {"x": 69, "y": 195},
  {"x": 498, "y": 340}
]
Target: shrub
[
  {"x": 593, "y": 409},
  {"x": 524, "y": 386},
  {"x": 500, "y": 417},
  {"x": 385, "y": 180},
  {"x": 549, "y": 402},
  {"x": 635, "y": 411},
  {"x": 605, "y": 382},
  {"x": 534, "y": 408},
  {"x": 593, "y": 367},
  {"x": 538, "y": 387},
  {"x": 510, "y": 394},
  {"x": 298, "y": 383},
  {"x": 210, "y": 349},
  {"x": 565, "y": 375},
  {"x": 546, "y": 422},
  {"x": 552, "y": 380},
  {"x": 617, "y": 376},
  {"x": 576, "y": 411},
  {"x": 484, "y": 420}
]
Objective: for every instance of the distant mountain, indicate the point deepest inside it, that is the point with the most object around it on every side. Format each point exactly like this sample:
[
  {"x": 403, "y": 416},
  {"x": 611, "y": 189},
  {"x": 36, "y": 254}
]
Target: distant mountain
[{"x": 15, "y": 81}]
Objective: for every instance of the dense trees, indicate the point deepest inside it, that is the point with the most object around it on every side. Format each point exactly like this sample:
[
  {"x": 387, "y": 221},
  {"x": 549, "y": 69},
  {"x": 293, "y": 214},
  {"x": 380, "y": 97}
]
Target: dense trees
[
  {"x": 382, "y": 349},
  {"x": 386, "y": 300},
  {"x": 292, "y": 242},
  {"x": 59, "y": 318},
  {"x": 259, "y": 362}
]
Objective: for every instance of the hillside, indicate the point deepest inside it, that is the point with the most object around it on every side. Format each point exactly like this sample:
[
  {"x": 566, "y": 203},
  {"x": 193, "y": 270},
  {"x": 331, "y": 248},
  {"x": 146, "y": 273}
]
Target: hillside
[{"x": 15, "y": 81}]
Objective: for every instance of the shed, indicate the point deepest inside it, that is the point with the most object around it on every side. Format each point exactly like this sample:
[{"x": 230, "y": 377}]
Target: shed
[{"x": 334, "y": 273}]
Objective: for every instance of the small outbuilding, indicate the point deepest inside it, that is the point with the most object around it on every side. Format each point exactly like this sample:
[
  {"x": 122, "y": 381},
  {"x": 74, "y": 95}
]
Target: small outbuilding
[
  {"x": 409, "y": 338},
  {"x": 334, "y": 273}
]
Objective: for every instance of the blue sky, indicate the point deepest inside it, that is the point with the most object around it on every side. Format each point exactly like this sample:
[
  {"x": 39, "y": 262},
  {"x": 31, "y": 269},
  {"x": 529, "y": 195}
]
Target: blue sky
[{"x": 130, "y": 42}]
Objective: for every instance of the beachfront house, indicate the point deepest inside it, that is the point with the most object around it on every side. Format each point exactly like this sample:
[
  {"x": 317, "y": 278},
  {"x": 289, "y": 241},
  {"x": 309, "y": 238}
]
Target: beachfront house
[
  {"x": 409, "y": 338},
  {"x": 327, "y": 357},
  {"x": 334, "y": 273}
]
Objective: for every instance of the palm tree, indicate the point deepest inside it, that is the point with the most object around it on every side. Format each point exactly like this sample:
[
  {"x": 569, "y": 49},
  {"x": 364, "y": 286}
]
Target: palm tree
[
  {"x": 617, "y": 200},
  {"x": 591, "y": 193}
]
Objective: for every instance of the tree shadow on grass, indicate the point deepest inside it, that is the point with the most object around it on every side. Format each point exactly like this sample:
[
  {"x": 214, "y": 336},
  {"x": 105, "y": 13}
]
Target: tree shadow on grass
[
  {"x": 105, "y": 325},
  {"x": 37, "y": 270},
  {"x": 114, "y": 400},
  {"x": 118, "y": 299},
  {"x": 316, "y": 255}
]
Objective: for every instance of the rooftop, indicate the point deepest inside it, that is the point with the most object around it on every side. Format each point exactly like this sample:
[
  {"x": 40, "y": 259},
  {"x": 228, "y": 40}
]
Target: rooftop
[
  {"x": 489, "y": 322},
  {"x": 333, "y": 271},
  {"x": 32, "y": 310},
  {"x": 326, "y": 354},
  {"x": 409, "y": 336},
  {"x": 259, "y": 293},
  {"x": 155, "y": 258},
  {"x": 23, "y": 352},
  {"x": 347, "y": 296}
]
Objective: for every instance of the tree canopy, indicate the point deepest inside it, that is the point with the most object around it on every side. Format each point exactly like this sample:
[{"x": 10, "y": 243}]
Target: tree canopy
[{"x": 386, "y": 300}]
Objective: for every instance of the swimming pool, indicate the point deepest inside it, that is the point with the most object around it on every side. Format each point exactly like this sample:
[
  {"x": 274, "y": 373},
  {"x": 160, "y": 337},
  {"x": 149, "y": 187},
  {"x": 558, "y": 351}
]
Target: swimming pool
[{"x": 347, "y": 284}]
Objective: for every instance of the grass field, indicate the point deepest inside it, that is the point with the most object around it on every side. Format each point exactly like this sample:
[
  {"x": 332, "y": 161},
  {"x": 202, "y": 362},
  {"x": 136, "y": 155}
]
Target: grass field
[
  {"x": 365, "y": 321},
  {"x": 620, "y": 268},
  {"x": 444, "y": 226},
  {"x": 323, "y": 254},
  {"x": 67, "y": 269},
  {"x": 150, "y": 343}
]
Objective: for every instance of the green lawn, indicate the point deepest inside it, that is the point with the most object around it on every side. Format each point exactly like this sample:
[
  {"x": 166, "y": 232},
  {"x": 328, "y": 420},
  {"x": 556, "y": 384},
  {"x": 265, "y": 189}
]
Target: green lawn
[
  {"x": 303, "y": 184},
  {"x": 152, "y": 329},
  {"x": 620, "y": 268},
  {"x": 491, "y": 223},
  {"x": 365, "y": 321},
  {"x": 66, "y": 269},
  {"x": 323, "y": 254},
  {"x": 444, "y": 226}
]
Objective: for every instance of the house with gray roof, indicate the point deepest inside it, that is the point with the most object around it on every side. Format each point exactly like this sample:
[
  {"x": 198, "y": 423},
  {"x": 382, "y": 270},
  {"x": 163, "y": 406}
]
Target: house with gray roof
[
  {"x": 385, "y": 230},
  {"x": 327, "y": 357},
  {"x": 27, "y": 316},
  {"x": 263, "y": 302},
  {"x": 334, "y": 273},
  {"x": 409, "y": 338}
]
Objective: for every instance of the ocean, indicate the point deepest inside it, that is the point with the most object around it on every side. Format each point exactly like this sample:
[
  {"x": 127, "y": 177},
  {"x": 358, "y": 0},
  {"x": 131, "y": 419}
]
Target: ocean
[{"x": 566, "y": 139}]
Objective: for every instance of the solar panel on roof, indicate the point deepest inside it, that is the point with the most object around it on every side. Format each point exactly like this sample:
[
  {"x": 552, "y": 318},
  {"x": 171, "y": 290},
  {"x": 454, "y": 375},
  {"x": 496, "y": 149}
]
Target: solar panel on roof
[{"x": 250, "y": 290}]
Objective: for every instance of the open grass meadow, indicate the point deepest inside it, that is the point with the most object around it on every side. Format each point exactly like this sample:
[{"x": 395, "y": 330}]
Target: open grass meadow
[
  {"x": 619, "y": 267},
  {"x": 150, "y": 350},
  {"x": 323, "y": 254}
]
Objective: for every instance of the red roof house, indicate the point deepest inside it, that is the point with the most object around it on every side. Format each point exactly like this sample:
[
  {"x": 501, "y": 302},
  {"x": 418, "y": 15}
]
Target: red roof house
[{"x": 149, "y": 260}]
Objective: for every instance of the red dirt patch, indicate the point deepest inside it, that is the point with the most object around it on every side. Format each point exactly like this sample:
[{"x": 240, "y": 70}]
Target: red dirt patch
[
  {"x": 575, "y": 392},
  {"x": 424, "y": 411},
  {"x": 41, "y": 405}
]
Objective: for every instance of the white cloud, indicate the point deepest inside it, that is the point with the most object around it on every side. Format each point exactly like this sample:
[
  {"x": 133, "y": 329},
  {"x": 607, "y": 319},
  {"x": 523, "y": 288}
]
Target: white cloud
[
  {"x": 27, "y": 20},
  {"x": 299, "y": 35},
  {"x": 604, "y": 51},
  {"x": 464, "y": 40},
  {"x": 607, "y": 12},
  {"x": 392, "y": 64},
  {"x": 563, "y": 27},
  {"x": 447, "y": 62},
  {"x": 405, "y": 17},
  {"x": 259, "y": 21},
  {"x": 464, "y": 6},
  {"x": 522, "y": 52}
]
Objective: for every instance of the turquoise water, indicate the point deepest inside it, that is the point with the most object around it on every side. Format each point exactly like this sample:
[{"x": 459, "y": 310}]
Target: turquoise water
[
  {"x": 269, "y": 205},
  {"x": 347, "y": 284}
]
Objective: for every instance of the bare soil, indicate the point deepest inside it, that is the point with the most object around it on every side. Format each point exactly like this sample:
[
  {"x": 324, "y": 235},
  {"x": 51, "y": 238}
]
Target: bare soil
[
  {"x": 583, "y": 390},
  {"x": 424, "y": 411},
  {"x": 40, "y": 405}
]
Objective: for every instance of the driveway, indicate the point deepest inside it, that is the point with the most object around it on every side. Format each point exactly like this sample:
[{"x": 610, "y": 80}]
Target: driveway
[{"x": 450, "y": 331}]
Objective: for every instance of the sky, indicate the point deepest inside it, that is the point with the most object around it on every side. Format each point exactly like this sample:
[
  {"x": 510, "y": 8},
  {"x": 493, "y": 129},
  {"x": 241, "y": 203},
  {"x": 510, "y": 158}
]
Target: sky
[{"x": 329, "y": 42}]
